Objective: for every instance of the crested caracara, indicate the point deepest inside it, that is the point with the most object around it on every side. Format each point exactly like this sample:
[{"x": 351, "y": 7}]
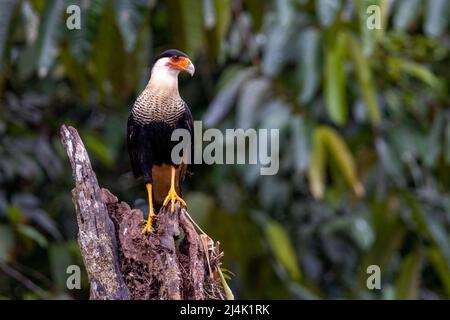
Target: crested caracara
[{"x": 157, "y": 112}]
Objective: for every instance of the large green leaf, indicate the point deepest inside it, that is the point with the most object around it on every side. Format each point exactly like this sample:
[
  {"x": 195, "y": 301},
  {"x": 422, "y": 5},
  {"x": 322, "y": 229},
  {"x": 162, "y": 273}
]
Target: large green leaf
[
  {"x": 75, "y": 73},
  {"x": 144, "y": 50},
  {"x": 406, "y": 12},
  {"x": 408, "y": 281},
  {"x": 432, "y": 144},
  {"x": 427, "y": 227},
  {"x": 369, "y": 36},
  {"x": 389, "y": 161},
  {"x": 256, "y": 10},
  {"x": 327, "y": 11},
  {"x": 416, "y": 70},
  {"x": 390, "y": 234},
  {"x": 130, "y": 16},
  {"x": 110, "y": 59},
  {"x": 217, "y": 17},
  {"x": 273, "y": 192},
  {"x": 252, "y": 96},
  {"x": 209, "y": 14},
  {"x": 81, "y": 41},
  {"x": 283, "y": 249},
  {"x": 6, "y": 243},
  {"x": 275, "y": 49},
  {"x": 32, "y": 233},
  {"x": 335, "y": 78},
  {"x": 99, "y": 149},
  {"x": 301, "y": 136},
  {"x": 27, "y": 59},
  {"x": 316, "y": 172},
  {"x": 389, "y": 238},
  {"x": 6, "y": 12},
  {"x": 285, "y": 11},
  {"x": 338, "y": 150},
  {"x": 441, "y": 265},
  {"x": 186, "y": 19},
  {"x": 436, "y": 17},
  {"x": 60, "y": 258},
  {"x": 326, "y": 141},
  {"x": 223, "y": 102},
  {"x": 366, "y": 83},
  {"x": 447, "y": 142},
  {"x": 223, "y": 19},
  {"x": 309, "y": 64},
  {"x": 50, "y": 35}
]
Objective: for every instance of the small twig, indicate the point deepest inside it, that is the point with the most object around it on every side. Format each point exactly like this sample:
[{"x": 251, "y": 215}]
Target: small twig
[
  {"x": 205, "y": 239},
  {"x": 196, "y": 225},
  {"x": 226, "y": 288}
]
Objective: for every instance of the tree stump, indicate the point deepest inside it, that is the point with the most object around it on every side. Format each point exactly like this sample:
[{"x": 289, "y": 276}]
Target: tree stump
[{"x": 173, "y": 262}]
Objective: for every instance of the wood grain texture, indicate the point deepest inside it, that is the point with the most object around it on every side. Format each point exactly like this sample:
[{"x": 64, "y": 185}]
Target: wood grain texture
[{"x": 96, "y": 236}]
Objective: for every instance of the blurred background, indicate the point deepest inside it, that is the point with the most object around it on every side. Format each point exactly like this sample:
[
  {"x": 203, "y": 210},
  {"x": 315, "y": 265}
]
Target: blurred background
[{"x": 364, "y": 137}]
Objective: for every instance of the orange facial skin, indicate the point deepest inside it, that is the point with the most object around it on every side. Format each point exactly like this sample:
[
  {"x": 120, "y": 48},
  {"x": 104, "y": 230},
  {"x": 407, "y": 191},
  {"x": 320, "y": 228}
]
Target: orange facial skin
[{"x": 182, "y": 64}]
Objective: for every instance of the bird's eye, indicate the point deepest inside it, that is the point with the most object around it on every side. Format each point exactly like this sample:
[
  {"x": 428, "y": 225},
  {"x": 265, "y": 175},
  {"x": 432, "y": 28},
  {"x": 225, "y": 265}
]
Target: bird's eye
[{"x": 175, "y": 58}]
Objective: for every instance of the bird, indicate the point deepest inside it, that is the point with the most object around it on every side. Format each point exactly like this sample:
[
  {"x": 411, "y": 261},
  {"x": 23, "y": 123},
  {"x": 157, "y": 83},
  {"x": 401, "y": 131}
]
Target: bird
[{"x": 156, "y": 113}]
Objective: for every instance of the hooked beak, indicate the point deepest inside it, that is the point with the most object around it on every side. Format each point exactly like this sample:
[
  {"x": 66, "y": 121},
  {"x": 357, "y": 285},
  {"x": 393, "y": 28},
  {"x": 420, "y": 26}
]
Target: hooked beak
[
  {"x": 190, "y": 68},
  {"x": 184, "y": 64}
]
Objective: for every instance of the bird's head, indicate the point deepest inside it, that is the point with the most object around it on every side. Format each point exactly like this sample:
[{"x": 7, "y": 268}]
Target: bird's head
[
  {"x": 172, "y": 62},
  {"x": 166, "y": 68}
]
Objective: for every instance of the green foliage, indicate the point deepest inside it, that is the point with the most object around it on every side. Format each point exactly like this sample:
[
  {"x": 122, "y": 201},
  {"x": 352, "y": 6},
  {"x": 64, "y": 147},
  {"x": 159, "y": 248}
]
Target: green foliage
[
  {"x": 31, "y": 233},
  {"x": 49, "y": 35},
  {"x": 335, "y": 78},
  {"x": 435, "y": 21},
  {"x": 282, "y": 248},
  {"x": 6, "y": 9},
  {"x": 129, "y": 16},
  {"x": 364, "y": 75},
  {"x": 327, "y": 11},
  {"x": 81, "y": 41},
  {"x": 364, "y": 137},
  {"x": 6, "y": 243},
  {"x": 407, "y": 285}
]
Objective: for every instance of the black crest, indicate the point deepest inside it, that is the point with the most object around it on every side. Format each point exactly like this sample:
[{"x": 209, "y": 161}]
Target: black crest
[{"x": 170, "y": 53}]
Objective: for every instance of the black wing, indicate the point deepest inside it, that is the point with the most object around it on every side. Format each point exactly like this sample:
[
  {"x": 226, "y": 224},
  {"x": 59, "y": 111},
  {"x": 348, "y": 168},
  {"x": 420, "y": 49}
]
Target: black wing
[
  {"x": 188, "y": 123},
  {"x": 132, "y": 144}
]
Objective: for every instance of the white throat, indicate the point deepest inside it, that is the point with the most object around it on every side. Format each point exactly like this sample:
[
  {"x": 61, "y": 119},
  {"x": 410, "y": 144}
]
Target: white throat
[{"x": 163, "y": 78}]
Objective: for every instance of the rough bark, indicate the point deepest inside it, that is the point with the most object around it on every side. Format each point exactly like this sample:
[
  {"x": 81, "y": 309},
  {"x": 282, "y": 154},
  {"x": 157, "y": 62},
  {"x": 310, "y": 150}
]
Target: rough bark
[{"x": 173, "y": 262}]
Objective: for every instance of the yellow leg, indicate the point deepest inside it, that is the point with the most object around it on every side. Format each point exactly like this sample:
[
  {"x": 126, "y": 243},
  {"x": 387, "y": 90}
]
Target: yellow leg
[
  {"x": 172, "y": 196},
  {"x": 149, "y": 225}
]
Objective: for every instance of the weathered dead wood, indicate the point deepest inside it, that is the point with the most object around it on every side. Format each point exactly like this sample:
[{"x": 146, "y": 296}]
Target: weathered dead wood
[
  {"x": 96, "y": 235},
  {"x": 174, "y": 262}
]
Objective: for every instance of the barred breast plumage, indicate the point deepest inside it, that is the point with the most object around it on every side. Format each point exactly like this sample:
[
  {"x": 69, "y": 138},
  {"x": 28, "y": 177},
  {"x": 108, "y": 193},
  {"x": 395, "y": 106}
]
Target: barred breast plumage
[{"x": 156, "y": 106}]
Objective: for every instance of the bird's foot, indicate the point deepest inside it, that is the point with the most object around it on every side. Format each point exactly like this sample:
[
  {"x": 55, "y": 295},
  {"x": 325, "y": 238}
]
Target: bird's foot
[
  {"x": 172, "y": 197},
  {"x": 148, "y": 228},
  {"x": 149, "y": 224}
]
